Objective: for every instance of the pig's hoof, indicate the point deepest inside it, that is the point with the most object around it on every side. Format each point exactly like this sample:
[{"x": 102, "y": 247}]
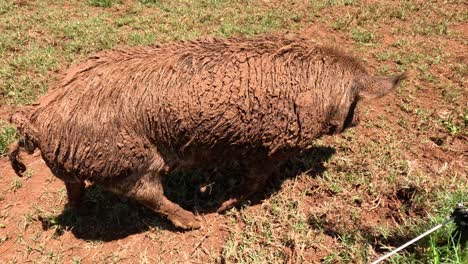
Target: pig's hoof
[
  {"x": 227, "y": 205},
  {"x": 185, "y": 220}
]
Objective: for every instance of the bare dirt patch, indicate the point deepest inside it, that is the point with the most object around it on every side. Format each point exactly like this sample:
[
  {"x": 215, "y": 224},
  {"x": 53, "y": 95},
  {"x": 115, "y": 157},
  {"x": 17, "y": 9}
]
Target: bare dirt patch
[{"x": 43, "y": 195}]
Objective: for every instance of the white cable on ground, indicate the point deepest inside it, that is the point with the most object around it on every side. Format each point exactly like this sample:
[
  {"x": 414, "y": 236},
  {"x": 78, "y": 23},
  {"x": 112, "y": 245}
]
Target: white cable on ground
[{"x": 412, "y": 241}]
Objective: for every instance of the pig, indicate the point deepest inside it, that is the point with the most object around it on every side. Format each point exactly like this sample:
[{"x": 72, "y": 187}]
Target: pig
[{"x": 125, "y": 118}]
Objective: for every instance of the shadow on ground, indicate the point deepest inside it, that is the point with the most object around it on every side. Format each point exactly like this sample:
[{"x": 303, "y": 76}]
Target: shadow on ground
[
  {"x": 107, "y": 217},
  {"x": 110, "y": 217}
]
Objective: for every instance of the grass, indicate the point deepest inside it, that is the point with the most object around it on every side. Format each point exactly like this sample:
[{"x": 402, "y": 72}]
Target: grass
[
  {"x": 395, "y": 176},
  {"x": 362, "y": 36},
  {"x": 443, "y": 245},
  {"x": 7, "y": 136},
  {"x": 101, "y": 3},
  {"x": 445, "y": 248}
]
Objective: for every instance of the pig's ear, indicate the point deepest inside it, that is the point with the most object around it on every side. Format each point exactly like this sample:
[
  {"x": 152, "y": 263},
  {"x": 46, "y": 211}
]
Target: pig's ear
[{"x": 373, "y": 87}]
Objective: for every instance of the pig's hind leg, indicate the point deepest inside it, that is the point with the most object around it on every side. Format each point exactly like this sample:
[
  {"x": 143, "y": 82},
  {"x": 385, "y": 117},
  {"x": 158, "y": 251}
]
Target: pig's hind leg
[
  {"x": 253, "y": 183},
  {"x": 148, "y": 190}
]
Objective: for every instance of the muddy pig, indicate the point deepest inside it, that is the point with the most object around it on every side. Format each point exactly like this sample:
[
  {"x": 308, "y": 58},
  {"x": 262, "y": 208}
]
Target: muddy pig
[{"x": 125, "y": 118}]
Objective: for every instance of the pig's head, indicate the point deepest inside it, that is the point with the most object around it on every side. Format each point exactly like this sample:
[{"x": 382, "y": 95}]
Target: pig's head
[{"x": 364, "y": 89}]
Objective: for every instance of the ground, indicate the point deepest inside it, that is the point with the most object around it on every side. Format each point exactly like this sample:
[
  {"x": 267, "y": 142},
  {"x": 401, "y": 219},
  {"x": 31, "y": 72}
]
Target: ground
[{"x": 349, "y": 199}]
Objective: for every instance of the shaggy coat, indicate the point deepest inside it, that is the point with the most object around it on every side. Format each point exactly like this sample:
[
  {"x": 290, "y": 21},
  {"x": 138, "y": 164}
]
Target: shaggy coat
[{"x": 125, "y": 117}]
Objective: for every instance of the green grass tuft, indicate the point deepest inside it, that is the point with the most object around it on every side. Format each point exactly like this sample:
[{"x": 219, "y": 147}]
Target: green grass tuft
[
  {"x": 101, "y": 3},
  {"x": 362, "y": 35},
  {"x": 7, "y": 136}
]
